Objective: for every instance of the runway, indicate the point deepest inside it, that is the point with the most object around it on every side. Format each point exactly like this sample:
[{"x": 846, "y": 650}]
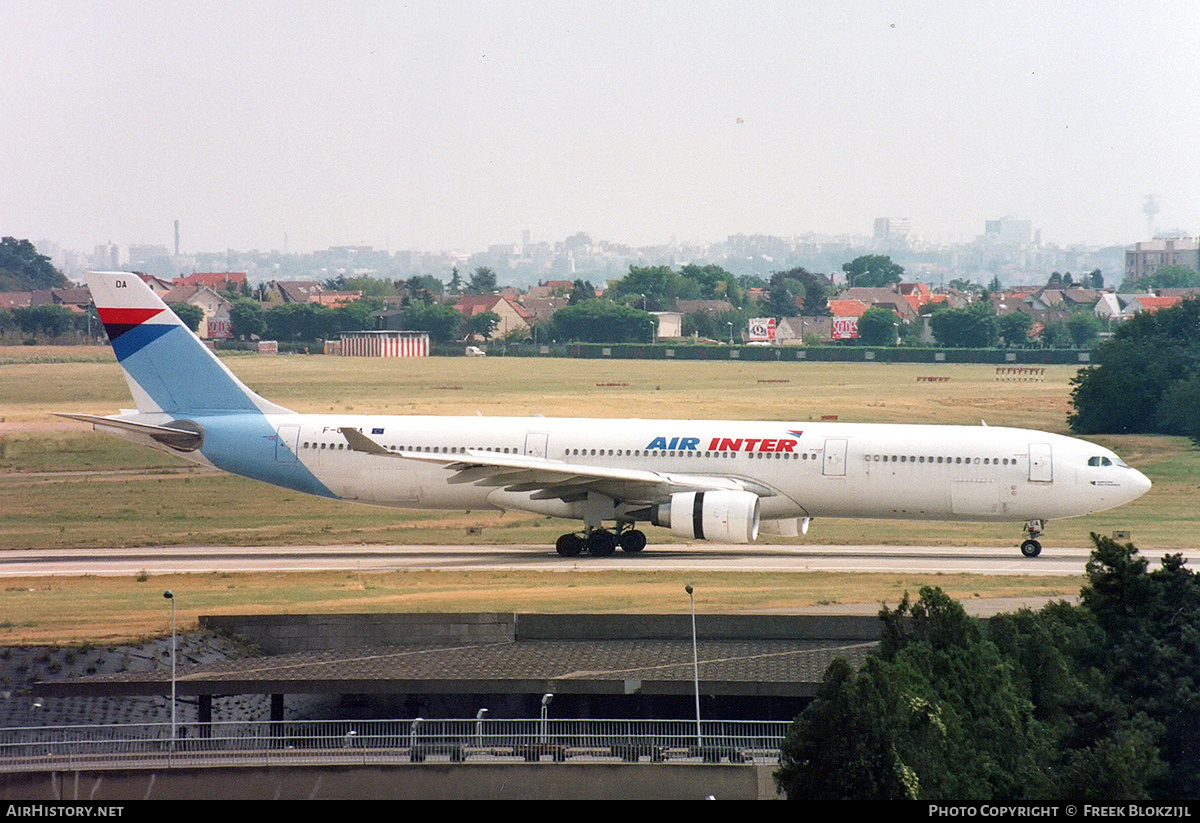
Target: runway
[{"x": 1000, "y": 560}]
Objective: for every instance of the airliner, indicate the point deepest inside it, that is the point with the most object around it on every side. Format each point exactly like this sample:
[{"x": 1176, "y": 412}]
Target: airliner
[{"x": 715, "y": 480}]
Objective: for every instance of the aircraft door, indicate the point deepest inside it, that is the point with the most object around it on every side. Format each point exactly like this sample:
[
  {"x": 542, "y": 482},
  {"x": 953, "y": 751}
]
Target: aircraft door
[
  {"x": 1041, "y": 467},
  {"x": 287, "y": 444},
  {"x": 835, "y": 457},
  {"x": 535, "y": 444}
]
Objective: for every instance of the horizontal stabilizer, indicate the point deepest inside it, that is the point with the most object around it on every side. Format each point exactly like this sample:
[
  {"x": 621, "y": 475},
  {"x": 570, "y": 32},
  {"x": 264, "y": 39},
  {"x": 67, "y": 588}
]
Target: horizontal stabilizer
[{"x": 184, "y": 437}]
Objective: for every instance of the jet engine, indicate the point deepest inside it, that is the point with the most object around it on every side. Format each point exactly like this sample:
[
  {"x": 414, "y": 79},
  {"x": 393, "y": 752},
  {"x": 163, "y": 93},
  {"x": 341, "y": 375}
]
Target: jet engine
[{"x": 720, "y": 516}]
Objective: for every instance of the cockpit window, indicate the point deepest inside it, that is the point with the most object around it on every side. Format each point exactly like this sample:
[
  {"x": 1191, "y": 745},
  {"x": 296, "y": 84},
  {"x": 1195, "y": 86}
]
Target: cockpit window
[{"x": 1099, "y": 461}]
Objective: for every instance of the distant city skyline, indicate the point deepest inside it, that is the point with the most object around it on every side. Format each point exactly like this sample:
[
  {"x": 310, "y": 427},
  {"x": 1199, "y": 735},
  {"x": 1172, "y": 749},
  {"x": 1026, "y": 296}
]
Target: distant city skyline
[{"x": 446, "y": 125}]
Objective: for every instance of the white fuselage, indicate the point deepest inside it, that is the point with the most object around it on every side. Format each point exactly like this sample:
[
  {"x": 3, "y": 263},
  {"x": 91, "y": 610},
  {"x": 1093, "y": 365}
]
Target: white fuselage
[{"x": 799, "y": 469}]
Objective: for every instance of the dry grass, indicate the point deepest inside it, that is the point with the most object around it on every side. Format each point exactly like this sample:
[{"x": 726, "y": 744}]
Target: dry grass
[{"x": 111, "y": 610}]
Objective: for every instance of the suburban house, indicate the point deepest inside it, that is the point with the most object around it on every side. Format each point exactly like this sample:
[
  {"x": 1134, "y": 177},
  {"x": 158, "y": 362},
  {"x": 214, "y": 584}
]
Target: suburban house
[
  {"x": 216, "y": 324},
  {"x": 513, "y": 316}
]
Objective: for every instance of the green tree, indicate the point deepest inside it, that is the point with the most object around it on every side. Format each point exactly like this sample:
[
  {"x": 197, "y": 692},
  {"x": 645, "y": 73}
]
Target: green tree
[
  {"x": 1014, "y": 328},
  {"x": 581, "y": 290},
  {"x": 50, "y": 321},
  {"x": 1098, "y": 748},
  {"x": 714, "y": 326},
  {"x": 357, "y": 315},
  {"x": 1179, "y": 409},
  {"x": 877, "y": 327},
  {"x": 797, "y": 290},
  {"x": 1172, "y": 277},
  {"x": 872, "y": 271},
  {"x": 970, "y": 328},
  {"x": 22, "y": 268},
  {"x": 296, "y": 322},
  {"x": 419, "y": 289},
  {"x": 480, "y": 325},
  {"x": 1134, "y": 370},
  {"x": 442, "y": 322},
  {"x": 483, "y": 281},
  {"x": 654, "y": 288},
  {"x": 936, "y": 715},
  {"x": 843, "y": 746},
  {"x": 1083, "y": 328},
  {"x": 714, "y": 283},
  {"x": 247, "y": 319},
  {"x": 192, "y": 316},
  {"x": 602, "y": 321},
  {"x": 1152, "y": 624}
]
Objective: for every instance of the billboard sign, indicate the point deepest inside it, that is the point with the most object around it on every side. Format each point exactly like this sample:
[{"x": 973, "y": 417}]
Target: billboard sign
[
  {"x": 845, "y": 328},
  {"x": 762, "y": 330}
]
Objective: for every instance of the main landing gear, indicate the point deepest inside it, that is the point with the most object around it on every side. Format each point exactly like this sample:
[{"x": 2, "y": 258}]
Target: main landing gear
[
  {"x": 1031, "y": 547},
  {"x": 600, "y": 542}
]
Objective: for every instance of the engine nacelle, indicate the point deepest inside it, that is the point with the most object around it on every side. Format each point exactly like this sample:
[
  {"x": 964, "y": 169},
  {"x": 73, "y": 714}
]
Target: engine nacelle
[{"x": 720, "y": 516}]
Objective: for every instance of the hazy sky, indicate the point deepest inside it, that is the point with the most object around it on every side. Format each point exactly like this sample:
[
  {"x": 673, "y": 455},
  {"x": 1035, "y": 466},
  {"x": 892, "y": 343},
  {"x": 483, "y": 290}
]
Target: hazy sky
[{"x": 442, "y": 124}]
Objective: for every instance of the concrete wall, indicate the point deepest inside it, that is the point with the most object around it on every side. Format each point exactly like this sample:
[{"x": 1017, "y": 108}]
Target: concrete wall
[
  {"x": 284, "y": 634},
  {"x": 708, "y": 626},
  {"x": 425, "y": 781}
]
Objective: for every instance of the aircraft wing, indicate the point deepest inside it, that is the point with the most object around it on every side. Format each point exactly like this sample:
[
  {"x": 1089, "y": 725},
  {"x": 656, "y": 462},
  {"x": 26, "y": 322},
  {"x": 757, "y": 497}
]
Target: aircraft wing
[{"x": 549, "y": 479}]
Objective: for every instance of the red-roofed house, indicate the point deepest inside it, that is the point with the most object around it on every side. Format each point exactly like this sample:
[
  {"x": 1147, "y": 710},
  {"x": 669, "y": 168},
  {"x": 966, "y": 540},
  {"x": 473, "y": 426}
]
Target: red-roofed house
[
  {"x": 847, "y": 308},
  {"x": 335, "y": 299},
  {"x": 1146, "y": 302},
  {"x": 512, "y": 315},
  {"x": 215, "y": 280}
]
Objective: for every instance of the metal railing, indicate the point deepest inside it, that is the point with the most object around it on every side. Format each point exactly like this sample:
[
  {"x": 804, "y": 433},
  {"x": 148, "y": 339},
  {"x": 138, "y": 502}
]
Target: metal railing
[{"x": 389, "y": 741}]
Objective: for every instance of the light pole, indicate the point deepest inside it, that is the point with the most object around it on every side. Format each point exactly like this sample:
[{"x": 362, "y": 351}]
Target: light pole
[
  {"x": 695, "y": 664},
  {"x": 479, "y": 715},
  {"x": 546, "y": 698},
  {"x": 730, "y": 325},
  {"x": 170, "y": 595}
]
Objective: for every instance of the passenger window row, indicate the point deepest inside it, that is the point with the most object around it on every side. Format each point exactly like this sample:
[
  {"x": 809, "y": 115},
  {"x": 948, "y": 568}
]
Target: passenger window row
[{"x": 907, "y": 458}]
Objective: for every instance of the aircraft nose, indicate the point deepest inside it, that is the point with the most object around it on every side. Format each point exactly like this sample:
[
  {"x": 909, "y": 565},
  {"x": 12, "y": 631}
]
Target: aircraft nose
[{"x": 1139, "y": 485}]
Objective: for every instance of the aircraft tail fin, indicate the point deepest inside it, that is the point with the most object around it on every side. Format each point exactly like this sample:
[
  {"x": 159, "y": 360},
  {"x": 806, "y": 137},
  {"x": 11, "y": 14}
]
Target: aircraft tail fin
[{"x": 167, "y": 367}]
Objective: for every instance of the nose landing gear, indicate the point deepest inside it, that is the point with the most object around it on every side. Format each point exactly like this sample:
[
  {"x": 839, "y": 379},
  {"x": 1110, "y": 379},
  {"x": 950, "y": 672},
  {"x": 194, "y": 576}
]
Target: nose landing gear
[{"x": 1031, "y": 547}]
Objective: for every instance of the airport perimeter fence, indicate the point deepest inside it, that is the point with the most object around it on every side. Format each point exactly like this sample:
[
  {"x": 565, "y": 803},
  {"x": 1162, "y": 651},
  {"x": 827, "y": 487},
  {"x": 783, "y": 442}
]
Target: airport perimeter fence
[
  {"x": 754, "y": 354},
  {"x": 785, "y": 354},
  {"x": 347, "y": 742}
]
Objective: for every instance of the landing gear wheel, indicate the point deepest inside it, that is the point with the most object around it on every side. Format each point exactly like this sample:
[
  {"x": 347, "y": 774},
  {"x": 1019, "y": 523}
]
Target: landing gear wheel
[
  {"x": 632, "y": 541},
  {"x": 601, "y": 543},
  {"x": 1031, "y": 548},
  {"x": 569, "y": 545}
]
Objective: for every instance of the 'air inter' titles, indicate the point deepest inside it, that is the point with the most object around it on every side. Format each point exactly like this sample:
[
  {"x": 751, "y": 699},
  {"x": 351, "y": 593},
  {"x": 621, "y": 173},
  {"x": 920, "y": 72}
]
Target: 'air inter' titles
[{"x": 726, "y": 444}]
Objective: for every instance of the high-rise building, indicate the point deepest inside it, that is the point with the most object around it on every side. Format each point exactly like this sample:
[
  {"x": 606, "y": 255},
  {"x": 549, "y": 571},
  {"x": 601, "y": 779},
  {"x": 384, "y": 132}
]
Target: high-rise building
[
  {"x": 1144, "y": 259},
  {"x": 1008, "y": 231}
]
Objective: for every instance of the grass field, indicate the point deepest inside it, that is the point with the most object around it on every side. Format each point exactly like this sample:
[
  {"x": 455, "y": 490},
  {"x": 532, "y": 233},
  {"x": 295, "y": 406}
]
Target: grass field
[
  {"x": 49, "y": 499},
  {"x": 111, "y": 610}
]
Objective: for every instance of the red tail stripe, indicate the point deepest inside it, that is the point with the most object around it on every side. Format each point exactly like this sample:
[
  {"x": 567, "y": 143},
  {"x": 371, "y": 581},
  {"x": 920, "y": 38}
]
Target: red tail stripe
[{"x": 126, "y": 317}]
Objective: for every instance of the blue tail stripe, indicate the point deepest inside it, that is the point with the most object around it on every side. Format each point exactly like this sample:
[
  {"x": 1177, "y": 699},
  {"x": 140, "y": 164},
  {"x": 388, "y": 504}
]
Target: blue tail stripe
[
  {"x": 197, "y": 382},
  {"x": 134, "y": 338}
]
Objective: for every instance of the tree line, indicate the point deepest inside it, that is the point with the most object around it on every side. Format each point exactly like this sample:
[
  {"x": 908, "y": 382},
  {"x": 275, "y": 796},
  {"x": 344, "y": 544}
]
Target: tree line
[
  {"x": 1098, "y": 701},
  {"x": 621, "y": 315},
  {"x": 1146, "y": 379}
]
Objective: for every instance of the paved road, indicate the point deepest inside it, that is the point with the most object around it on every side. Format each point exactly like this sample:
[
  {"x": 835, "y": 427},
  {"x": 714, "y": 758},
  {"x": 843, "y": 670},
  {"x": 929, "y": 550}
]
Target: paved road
[{"x": 1055, "y": 561}]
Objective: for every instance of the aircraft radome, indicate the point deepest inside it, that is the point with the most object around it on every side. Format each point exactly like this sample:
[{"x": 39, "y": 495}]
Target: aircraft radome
[{"x": 717, "y": 480}]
